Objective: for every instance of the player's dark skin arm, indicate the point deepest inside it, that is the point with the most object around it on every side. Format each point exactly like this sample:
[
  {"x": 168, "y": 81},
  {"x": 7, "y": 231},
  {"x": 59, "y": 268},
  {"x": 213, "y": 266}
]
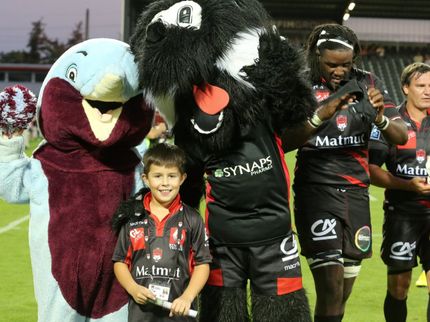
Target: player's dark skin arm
[
  {"x": 396, "y": 132},
  {"x": 295, "y": 137}
]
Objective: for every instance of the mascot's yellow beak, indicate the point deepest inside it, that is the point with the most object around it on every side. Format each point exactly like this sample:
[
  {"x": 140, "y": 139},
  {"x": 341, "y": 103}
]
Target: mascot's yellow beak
[
  {"x": 109, "y": 89},
  {"x": 103, "y": 120}
]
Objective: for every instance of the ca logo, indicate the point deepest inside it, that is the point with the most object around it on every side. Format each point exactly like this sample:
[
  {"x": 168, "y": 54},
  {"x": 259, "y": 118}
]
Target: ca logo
[
  {"x": 324, "y": 229},
  {"x": 402, "y": 251},
  {"x": 290, "y": 253}
]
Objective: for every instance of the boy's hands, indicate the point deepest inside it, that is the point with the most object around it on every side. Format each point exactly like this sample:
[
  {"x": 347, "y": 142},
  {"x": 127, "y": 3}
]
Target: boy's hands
[
  {"x": 180, "y": 306},
  {"x": 141, "y": 294}
]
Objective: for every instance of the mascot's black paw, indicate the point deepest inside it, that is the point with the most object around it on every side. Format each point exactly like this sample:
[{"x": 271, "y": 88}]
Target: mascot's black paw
[
  {"x": 223, "y": 305},
  {"x": 126, "y": 210},
  {"x": 279, "y": 75},
  {"x": 290, "y": 307}
]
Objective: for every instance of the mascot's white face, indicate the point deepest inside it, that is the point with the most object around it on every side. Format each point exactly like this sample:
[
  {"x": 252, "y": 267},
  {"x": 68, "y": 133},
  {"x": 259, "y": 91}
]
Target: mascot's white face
[
  {"x": 191, "y": 56},
  {"x": 184, "y": 14}
]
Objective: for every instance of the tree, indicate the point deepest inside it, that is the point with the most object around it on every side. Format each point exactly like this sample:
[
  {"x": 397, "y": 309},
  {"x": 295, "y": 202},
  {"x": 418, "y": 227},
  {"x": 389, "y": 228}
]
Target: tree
[
  {"x": 42, "y": 49},
  {"x": 77, "y": 35},
  {"x": 15, "y": 56},
  {"x": 36, "y": 42}
]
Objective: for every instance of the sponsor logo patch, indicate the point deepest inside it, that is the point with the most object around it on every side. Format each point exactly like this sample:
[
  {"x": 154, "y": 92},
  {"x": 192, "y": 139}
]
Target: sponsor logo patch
[
  {"x": 321, "y": 95},
  {"x": 363, "y": 238},
  {"x": 341, "y": 122},
  {"x": 421, "y": 155},
  {"x": 173, "y": 240},
  {"x": 324, "y": 229},
  {"x": 137, "y": 238},
  {"x": 157, "y": 254},
  {"x": 250, "y": 168},
  {"x": 402, "y": 250},
  {"x": 290, "y": 250},
  {"x": 375, "y": 134}
]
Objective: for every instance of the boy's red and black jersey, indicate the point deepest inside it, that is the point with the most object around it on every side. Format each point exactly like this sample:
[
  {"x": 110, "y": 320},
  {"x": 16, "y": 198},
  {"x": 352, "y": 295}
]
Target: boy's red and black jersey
[
  {"x": 337, "y": 154},
  {"x": 247, "y": 190},
  {"x": 163, "y": 250},
  {"x": 404, "y": 161}
]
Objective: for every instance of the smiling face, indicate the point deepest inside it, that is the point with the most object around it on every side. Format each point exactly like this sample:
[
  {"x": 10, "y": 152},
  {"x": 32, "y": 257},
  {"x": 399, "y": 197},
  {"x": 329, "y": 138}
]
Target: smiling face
[
  {"x": 164, "y": 183},
  {"x": 418, "y": 91},
  {"x": 335, "y": 66}
]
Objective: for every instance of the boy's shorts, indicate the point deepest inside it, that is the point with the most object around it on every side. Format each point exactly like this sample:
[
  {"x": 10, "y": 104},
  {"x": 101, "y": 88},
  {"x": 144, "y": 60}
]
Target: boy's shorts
[
  {"x": 406, "y": 236},
  {"x": 272, "y": 269},
  {"x": 333, "y": 223}
]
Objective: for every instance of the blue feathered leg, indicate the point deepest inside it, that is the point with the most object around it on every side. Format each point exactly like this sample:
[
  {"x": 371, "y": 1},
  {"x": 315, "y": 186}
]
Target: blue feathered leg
[
  {"x": 289, "y": 307},
  {"x": 223, "y": 304}
]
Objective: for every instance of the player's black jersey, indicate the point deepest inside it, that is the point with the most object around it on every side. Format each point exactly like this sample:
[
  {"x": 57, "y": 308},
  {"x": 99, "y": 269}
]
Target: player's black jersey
[
  {"x": 247, "y": 190},
  {"x": 337, "y": 154},
  {"x": 163, "y": 252},
  {"x": 404, "y": 161}
]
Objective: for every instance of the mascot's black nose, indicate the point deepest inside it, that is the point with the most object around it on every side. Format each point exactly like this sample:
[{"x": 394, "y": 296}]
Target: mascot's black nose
[{"x": 155, "y": 32}]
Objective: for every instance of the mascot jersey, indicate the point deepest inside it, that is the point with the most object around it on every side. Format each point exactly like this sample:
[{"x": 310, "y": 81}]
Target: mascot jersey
[
  {"x": 247, "y": 190},
  {"x": 91, "y": 115}
]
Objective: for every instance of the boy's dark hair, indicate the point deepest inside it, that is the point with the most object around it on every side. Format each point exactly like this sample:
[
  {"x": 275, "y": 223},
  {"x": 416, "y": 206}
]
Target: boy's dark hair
[
  {"x": 333, "y": 32},
  {"x": 413, "y": 70},
  {"x": 163, "y": 154}
]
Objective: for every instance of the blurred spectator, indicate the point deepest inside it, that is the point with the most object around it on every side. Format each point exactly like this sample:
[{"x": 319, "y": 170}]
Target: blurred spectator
[
  {"x": 159, "y": 132},
  {"x": 418, "y": 58},
  {"x": 380, "y": 51}
]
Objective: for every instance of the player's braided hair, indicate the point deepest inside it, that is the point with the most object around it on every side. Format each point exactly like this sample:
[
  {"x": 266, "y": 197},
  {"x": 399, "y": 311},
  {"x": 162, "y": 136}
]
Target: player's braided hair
[{"x": 332, "y": 37}]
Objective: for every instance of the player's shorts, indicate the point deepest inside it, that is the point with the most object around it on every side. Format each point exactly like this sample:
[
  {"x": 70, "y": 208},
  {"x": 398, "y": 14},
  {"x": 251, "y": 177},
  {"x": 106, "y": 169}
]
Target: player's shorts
[
  {"x": 406, "y": 236},
  {"x": 333, "y": 223},
  {"x": 272, "y": 269}
]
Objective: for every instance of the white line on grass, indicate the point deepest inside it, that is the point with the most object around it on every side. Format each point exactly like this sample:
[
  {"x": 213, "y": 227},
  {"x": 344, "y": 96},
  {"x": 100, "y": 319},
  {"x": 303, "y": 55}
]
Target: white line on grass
[{"x": 13, "y": 224}]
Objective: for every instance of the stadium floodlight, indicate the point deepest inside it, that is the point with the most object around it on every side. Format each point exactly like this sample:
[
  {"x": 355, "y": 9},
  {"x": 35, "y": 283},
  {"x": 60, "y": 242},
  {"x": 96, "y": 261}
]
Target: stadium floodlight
[
  {"x": 346, "y": 16},
  {"x": 351, "y": 6}
]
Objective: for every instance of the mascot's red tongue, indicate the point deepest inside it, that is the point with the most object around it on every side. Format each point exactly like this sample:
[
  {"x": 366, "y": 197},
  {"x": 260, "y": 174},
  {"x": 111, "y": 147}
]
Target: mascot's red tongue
[{"x": 210, "y": 99}]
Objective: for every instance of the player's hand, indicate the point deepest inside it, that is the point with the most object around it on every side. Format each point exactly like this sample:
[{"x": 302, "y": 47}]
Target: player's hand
[
  {"x": 180, "y": 306},
  {"x": 419, "y": 185},
  {"x": 377, "y": 100},
  {"x": 141, "y": 294},
  {"x": 328, "y": 109}
]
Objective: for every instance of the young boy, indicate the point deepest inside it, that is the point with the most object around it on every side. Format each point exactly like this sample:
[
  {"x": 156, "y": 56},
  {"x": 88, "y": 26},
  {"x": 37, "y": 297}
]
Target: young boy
[{"x": 162, "y": 251}]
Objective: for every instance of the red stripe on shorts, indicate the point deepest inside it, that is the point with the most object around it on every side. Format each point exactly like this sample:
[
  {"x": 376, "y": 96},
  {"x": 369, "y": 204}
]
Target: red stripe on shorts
[
  {"x": 287, "y": 285},
  {"x": 215, "y": 278}
]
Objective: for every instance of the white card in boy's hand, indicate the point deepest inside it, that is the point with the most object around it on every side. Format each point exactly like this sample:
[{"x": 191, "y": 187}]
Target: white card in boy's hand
[{"x": 161, "y": 292}]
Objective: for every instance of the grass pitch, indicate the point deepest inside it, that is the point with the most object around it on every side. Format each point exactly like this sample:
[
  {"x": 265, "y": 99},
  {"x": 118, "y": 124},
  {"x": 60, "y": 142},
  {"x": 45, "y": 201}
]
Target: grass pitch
[{"x": 17, "y": 303}]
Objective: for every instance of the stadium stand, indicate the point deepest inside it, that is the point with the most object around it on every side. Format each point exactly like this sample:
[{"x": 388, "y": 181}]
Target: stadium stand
[{"x": 390, "y": 65}]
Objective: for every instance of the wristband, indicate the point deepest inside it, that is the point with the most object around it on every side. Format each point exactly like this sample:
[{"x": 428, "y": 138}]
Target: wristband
[
  {"x": 383, "y": 124},
  {"x": 315, "y": 121}
]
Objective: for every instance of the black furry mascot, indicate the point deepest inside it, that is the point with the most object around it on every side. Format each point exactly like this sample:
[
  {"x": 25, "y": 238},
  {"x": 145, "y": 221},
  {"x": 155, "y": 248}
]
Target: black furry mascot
[{"x": 229, "y": 83}]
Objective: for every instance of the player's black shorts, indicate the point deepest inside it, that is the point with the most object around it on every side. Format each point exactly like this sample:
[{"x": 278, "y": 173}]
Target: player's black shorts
[
  {"x": 272, "y": 269},
  {"x": 333, "y": 222},
  {"x": 406, "y": 236}
]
